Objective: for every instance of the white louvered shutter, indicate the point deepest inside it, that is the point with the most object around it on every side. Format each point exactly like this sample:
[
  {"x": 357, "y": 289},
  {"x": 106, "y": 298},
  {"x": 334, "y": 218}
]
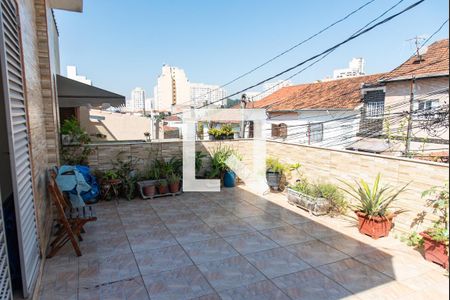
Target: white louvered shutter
[
  {"x": 16, "y": 119},
  {"x": 5, "y": 279}
]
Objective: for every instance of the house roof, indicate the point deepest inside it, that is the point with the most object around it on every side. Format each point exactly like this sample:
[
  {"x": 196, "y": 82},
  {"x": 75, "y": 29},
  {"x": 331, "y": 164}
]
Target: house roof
[
  {"x": 335, "y": 94},
  {"x": 434, "y": 62}
]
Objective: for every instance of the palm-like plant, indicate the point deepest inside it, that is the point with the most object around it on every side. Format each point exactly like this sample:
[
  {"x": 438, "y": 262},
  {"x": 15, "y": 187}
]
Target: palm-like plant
[{"x": 375, "y": 201}]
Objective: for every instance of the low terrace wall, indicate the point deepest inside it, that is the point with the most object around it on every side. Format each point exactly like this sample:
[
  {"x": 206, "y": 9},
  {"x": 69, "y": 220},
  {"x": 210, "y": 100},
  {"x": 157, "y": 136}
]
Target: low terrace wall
[{"x": 318, "y": 164}]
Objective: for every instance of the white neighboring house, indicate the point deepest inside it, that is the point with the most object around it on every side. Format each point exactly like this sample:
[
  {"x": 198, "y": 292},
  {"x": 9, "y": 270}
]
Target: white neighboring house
[
  {"x": 72, "y": 74},
  {"x": 322, "y": 114},
  {"x": 172, "y": 89}
]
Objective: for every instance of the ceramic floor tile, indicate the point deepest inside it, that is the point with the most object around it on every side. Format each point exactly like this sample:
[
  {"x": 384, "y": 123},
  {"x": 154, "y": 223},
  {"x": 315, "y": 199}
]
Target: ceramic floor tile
[
  {"x": 164, "y": 259},
  {"x": 389, "y": 291},
  {"x": 288, "y": 216},
  {"x": 105, "y": 247},
  {"x": 348, "y": 245},
  {"x": 310, "y": 285},
  {"x": 276, "y": 262},
  {"x": 210, "y": 250},
  {"x": 107, "y": 270},
  {"x": 250, "y": 242},
  {"x": 59, "y": 281},
  {"x": 184, "y": 283},
  {"x": 196, "y": 233},
  {"x": 398, "y": 267},
  {"x": 264, "y": 222},
  {"x": 317, "y": 230},
  {"x": 183, "y": 221},
  {"x": 316, "y": 253},
  {"x": 230, "y": 273},
  {"x": 220, "y": 219},
  {"x": 287, "y": 235},
  {"x": 354, "y": 276},
  {"x": 263, "y": 290},
  {"x": 208, "y": 297},
  {"x": 157, "y": 237},
  {"x": 246, "y": 210},
  {"x": 133, "y": 288},
  {"x": 234, "y": 227}
]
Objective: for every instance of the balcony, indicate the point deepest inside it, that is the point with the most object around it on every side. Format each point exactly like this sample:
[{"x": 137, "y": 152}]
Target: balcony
[{"x": 239, "y": 245}]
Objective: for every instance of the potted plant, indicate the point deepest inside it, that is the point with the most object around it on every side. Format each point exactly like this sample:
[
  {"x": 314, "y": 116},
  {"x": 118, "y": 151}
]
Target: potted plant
[
  {"x": 435, "y": 239},
  {"x": 318, "y": 199},
  {"x": 374, "y": 206},
  {"x": 163, "y": 187},
  {"x": 174, "y": 183},
  {"x": 274, "y": 172},
  {"x": 75, "y": 141},
  {"x": 219, "y": 165},
  {"x": 147, "y": 136}
]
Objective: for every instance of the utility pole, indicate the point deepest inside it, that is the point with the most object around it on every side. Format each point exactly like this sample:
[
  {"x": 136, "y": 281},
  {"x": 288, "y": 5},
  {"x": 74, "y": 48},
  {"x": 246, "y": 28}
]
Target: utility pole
[
  {"x": 410, "y": 117},
  {"x": 243, "y": 106}
]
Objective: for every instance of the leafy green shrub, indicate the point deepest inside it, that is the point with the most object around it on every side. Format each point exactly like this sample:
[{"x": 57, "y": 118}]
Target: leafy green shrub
[
  {"x": 77, "y": 152},
  {"x": 327, "y": 191},
  {"x": 274, "y": 165},
  {"x": 376, "y": 201},
  {"x": 413, "y": 240},
  {"x": 438, "y": 200},
  {"x": 225, "y": 131},
  {"x": 218, "y": 161}
]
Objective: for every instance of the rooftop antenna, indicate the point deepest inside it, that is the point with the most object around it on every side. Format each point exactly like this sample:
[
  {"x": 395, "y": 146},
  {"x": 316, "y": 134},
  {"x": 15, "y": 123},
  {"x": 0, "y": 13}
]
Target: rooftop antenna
[{"x": 418, "y": 43}]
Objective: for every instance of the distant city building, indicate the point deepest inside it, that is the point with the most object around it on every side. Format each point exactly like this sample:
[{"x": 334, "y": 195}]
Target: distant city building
[
  {"x": 72, "y": 74},
  {"x": 355, "y": 68},
  {"x": 204, "y": 94},
  {"x": 137, "y": 101},
  {"x": 270, "y": 88},
  {"x": 172, "y": 89}
]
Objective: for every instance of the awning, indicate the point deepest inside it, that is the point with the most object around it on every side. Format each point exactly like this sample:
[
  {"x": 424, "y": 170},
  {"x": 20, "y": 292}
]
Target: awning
[{"x": 72, "y": 93}]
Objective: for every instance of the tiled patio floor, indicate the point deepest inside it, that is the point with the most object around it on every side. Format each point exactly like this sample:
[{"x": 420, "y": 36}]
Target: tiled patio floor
[{"x": 234, "y": 245}]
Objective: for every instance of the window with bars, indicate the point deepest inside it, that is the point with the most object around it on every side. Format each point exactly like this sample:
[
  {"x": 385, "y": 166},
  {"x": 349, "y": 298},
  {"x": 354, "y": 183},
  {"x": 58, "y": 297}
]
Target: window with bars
[
  {"x": 315, "y": 132},
  {"x": 374, "y": 110},
  {"x": 425, "y": 109},
  {"x": 279, "y": 130}
]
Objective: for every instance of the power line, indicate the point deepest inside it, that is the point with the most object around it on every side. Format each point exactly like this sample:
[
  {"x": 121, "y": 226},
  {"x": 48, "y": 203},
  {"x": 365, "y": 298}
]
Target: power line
[
  {"x": 324, "y": 52},
  {"x": 324, "y": 56},
  {"x": 291, "y": 48}
]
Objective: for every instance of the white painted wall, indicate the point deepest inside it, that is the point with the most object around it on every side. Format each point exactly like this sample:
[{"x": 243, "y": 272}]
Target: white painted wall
[{"x": 336, "y": 134}]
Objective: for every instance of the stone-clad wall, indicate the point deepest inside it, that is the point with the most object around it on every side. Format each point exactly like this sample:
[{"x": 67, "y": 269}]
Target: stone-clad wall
[{"x": 318, "y": 164}]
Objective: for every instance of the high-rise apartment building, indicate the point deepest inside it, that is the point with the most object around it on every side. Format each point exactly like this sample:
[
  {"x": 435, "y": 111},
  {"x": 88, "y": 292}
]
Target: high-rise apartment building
[
  {"x": 137, "y": 101},
  {"x": 172, "y": 90},
  {"x": 205, "y": 94},
  {"x": 72, "y": 74},
  {"x": 355, "y": 68}
]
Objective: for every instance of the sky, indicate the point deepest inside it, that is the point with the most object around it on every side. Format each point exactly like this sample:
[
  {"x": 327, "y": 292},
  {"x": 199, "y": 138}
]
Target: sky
[{"x": 121, "y": 45}]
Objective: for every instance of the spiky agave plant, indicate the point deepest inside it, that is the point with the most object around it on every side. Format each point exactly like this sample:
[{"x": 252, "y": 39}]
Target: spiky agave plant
[{"x": 375, "y": 201}]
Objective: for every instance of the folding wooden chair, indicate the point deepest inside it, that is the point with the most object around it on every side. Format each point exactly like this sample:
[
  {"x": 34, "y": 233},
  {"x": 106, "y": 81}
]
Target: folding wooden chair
[{"x": 71, "y": 220}]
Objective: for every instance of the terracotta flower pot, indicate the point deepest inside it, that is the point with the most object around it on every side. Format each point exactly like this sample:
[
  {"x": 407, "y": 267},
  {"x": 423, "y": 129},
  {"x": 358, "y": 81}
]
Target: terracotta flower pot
[
  {"x": 174, "y": 187},
  {"x": 163, "y": 189},
  {"x": 375, "y": 227},
  {"x": 435, "y": 251},
  {"x": 149, "y": 190}
]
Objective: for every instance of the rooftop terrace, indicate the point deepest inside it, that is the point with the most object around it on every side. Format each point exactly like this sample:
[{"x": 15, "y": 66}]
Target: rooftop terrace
[{"x": 234, "y": 245}]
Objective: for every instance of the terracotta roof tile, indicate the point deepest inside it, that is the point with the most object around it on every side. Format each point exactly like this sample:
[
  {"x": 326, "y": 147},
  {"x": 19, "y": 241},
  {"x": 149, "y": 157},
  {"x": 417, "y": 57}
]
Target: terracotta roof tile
[
  {"x": 433, "y": 62},
  {"x": 334, "y": 94}
]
